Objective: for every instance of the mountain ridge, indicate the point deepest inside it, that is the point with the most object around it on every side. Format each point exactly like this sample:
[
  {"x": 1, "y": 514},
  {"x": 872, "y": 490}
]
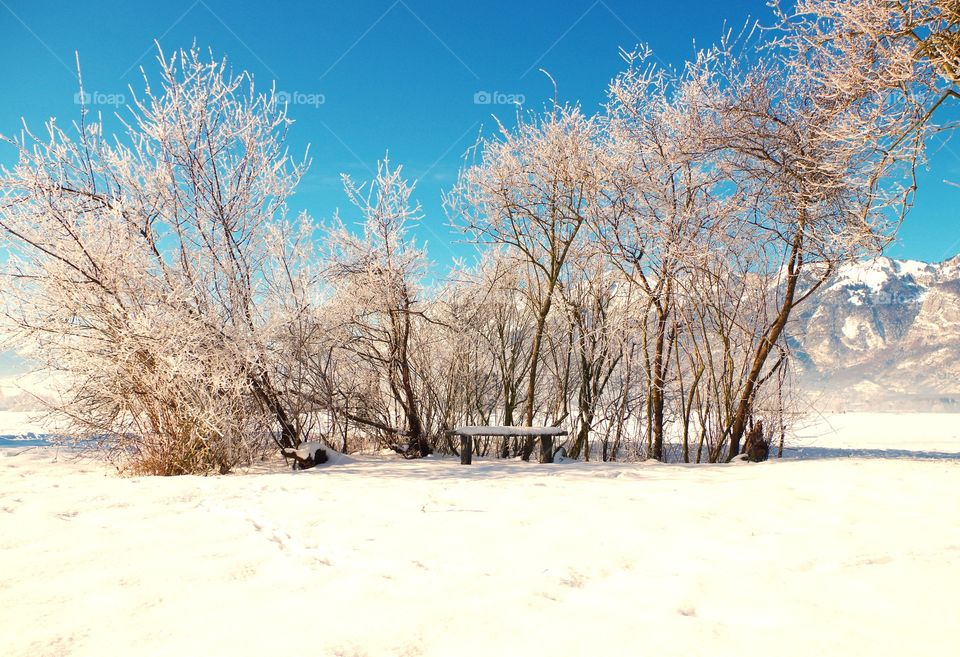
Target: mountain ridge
[{"x": 883, "y": 334}]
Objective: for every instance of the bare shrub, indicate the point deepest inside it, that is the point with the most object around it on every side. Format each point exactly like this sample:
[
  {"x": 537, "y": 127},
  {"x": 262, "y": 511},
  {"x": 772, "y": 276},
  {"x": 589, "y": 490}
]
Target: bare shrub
[{"x": 144, "y": 271}]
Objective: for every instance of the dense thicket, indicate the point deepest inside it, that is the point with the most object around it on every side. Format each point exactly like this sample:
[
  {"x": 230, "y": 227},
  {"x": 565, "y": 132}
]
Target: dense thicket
[{"x": 635, "y": 278}]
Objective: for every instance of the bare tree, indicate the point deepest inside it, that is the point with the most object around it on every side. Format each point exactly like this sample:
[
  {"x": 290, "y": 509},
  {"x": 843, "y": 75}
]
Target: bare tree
[
  {"x": 595, "y": 303},
  {"x": 140, "y": 266},
  {"x": 667, "y": 201},
  {"x": 905, "y": 49},
  {"x": 531, "y": 193},
  {"x": 376, "y": 276},
  {"x": 820, "y": 175}
]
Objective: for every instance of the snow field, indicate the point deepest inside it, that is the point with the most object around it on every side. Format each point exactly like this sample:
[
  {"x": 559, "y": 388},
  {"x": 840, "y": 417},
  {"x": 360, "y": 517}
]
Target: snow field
[{"x": 383, "y": 556}]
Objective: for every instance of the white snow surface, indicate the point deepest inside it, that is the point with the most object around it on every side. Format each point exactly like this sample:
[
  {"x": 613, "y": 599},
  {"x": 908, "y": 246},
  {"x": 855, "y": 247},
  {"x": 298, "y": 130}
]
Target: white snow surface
[
  {"x": 914, "y": 435},
  {"x": 307, "y": 450},
  {"x": 382, "y": 556},
  {"x": 871, "y": 273},
  {"x": 851, "y": 328},
  {"x": 913, "y": 267}
]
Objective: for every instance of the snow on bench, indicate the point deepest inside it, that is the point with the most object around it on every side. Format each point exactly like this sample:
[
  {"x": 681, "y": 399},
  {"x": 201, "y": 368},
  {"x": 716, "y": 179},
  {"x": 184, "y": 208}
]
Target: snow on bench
[{"x": 467, "y": 434}]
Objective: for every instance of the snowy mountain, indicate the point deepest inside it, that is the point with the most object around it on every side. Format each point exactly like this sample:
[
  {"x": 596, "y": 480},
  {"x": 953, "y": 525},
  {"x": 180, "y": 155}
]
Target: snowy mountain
[{"x": 883, "y": 335}]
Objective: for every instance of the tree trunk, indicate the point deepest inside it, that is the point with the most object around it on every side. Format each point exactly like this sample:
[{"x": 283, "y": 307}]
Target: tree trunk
[
  {"x": 418, "y": 446},
  {"x": 534, "y": 362},
  {"x": 263, "y": 391},
  {"x": 745, "y": 405},
  {"x": 509, "y": 403}
]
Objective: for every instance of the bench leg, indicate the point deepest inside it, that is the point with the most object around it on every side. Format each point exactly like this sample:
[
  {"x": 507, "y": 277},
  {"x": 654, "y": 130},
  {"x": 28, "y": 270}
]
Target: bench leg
[
  {"x": 466, "y": 450},
  {"x": 546, "y": 449}
]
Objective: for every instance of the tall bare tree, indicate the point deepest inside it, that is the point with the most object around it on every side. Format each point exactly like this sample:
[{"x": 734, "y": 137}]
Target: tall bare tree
[
  {"x": 376, "y": 276},
  {"x": 531, "y": 194}
]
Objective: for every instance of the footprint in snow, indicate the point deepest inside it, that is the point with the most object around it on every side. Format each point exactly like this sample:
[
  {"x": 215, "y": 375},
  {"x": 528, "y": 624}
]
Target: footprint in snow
[
  {"x": 244, "y": 572},
  {"x": 286, "y": 542},
  {"x": 574, "y": 580},
  {"x": 873, "y": 561}
]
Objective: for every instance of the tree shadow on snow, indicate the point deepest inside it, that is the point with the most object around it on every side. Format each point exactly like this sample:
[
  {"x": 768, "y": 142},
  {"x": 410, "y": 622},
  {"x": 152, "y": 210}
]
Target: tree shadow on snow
[{"x": 812, "y": 453}]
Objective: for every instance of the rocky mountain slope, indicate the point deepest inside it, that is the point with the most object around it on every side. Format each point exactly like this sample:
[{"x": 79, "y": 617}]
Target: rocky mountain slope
[{"x": 882, "y": 335}]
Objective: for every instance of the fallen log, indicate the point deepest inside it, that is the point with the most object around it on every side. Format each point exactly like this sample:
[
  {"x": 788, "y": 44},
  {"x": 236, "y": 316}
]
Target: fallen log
[{"x": 306, "y": 456}]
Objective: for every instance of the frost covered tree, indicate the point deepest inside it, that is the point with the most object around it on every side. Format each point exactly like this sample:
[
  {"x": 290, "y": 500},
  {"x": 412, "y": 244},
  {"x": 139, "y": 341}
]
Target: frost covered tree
[
  {"x": 497, "y": 318},
  {"x": 893, "y": 50},
  {"x": 530, "y": 194},
  {"x": 143, "y": 268},
  {"x": 826, "y": 180},
  {"x": 735, "y": 189},
  {"x": 596, "y": 307},
  {"x": 376, "y": 276},
  {"x": 637, "y": 269},
  {"x": 667, "y": 201}
]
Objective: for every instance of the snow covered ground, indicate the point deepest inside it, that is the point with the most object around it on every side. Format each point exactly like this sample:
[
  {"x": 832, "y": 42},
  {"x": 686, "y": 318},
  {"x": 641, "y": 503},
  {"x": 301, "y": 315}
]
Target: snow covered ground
[
  {"x": 378, "y": 556},
  {"x": 916, "y": 435}
]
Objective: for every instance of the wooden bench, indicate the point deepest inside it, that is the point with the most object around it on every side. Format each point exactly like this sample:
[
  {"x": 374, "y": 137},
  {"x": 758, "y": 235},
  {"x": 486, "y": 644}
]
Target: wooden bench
[{"x": 545, "y": 434}]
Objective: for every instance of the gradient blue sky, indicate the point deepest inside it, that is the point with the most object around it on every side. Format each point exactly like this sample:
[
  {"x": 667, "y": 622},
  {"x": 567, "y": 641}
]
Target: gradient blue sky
[{"x": 401, "y": 75}]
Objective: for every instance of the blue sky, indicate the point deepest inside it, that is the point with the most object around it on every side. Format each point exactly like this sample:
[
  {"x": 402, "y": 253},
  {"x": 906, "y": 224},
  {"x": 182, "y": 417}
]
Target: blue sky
[{"x": 369, "y": 76}]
